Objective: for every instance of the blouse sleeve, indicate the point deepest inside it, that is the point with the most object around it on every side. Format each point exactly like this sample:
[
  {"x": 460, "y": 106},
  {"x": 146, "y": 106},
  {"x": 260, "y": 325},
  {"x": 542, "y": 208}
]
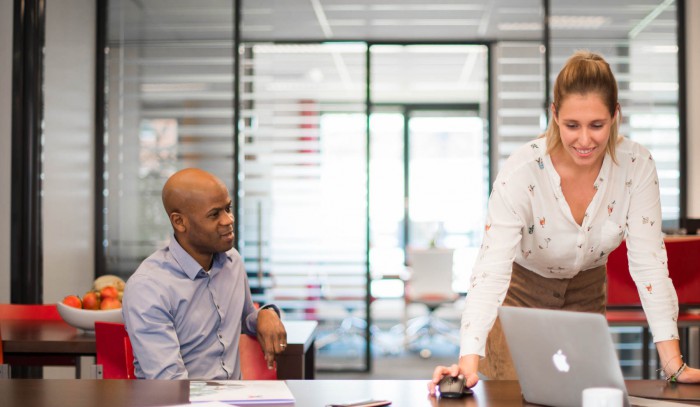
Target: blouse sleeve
[
  {"x": 647, "y": 254},
  {"x": 492, "y": 271}
]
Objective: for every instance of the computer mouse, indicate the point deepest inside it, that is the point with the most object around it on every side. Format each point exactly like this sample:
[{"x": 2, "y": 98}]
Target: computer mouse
[{"x": 453, "y": 387}]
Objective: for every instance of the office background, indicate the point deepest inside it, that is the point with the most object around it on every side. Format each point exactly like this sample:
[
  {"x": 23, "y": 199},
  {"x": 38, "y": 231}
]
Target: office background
[{"x": 68, "y": 196}]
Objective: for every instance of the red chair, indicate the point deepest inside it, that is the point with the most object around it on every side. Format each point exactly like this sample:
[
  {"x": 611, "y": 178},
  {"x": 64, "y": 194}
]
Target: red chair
[
  {"x": 252, "y": 358},
  {"x": 115, "y": 359}
]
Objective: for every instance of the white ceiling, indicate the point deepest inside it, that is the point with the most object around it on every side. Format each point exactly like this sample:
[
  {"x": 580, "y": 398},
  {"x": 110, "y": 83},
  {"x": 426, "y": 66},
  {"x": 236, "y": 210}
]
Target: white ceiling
[{"x": 382, "y": 20}]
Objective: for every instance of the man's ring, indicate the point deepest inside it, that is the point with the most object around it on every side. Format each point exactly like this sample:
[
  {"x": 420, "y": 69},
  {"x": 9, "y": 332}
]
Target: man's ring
[{"x": 283, "y": 345}]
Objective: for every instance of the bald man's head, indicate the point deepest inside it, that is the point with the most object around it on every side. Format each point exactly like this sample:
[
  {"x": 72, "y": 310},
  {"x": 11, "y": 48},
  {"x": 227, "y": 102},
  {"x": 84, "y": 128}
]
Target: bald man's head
[
  {"x": 186, "y": 188},
  {"x": 199, "y": 207}
]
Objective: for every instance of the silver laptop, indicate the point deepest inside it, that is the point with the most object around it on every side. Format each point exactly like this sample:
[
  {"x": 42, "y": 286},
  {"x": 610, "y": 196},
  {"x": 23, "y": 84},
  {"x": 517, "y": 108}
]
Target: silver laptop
[{"x": 558, "y": 354}]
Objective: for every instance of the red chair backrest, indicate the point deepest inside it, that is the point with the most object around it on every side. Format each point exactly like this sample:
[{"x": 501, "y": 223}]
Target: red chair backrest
[
  {"x": 46, "y": 312},
  {"x": 253, "y": 363},
  {"x": 683, "y": 264},
  {"x": 114, "y": 351}
]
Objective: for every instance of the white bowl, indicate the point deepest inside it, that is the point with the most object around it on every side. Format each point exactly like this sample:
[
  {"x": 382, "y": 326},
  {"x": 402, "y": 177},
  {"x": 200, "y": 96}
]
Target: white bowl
[{"x": 85, "y": 318}]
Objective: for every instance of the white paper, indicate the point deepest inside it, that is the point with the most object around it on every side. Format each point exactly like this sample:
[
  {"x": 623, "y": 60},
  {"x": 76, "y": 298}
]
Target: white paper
[
  {"x": 643, "y": 402},
  {"x": 241, "y": 392},
  {"x": 206, "y": 404}
]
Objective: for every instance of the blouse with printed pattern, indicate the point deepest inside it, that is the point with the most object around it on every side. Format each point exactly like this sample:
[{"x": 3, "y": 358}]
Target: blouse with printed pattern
[{"x": 529, "y": 222}]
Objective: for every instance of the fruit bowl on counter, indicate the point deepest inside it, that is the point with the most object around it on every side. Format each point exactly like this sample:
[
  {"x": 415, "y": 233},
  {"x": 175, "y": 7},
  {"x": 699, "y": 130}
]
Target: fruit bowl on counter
[
  {"x": 102, "y": 303},
  {"x": 85, "y": 318}
]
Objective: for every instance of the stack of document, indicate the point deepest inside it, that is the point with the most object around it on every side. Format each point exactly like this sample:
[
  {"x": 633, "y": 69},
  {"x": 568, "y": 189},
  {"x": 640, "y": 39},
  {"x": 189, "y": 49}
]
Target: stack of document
[{"x": 241, "y": 392}]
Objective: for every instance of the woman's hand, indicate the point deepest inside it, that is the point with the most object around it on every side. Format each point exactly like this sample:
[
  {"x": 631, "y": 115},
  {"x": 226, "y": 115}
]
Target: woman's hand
[
  {"x": 689, "y": 375},
  {"x": 468, "y": 366},
  {"x": 671, "y": 359}
]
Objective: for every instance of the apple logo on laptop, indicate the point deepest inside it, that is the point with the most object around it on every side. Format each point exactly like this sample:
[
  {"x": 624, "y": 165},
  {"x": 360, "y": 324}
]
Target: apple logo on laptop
[{"x": 560, "y": 362}]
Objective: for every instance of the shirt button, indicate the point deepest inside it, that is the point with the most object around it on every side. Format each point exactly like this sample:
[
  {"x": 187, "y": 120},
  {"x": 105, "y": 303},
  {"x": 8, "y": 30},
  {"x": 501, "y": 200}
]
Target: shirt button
[
  {"x": 557, "y": 295},
  {"x": 217, "y": 306}
]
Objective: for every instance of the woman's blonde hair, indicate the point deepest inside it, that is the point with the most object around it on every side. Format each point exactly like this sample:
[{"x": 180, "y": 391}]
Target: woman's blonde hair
[{"x": 585, "y": 72}]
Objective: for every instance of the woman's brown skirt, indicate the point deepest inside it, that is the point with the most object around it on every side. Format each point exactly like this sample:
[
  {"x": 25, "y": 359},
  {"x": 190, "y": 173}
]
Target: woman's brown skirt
[{"x": 585, "y": 292}]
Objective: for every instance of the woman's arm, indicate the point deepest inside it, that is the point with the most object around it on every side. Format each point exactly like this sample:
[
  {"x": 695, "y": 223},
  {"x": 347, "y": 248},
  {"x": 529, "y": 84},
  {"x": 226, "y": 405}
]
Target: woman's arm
[{"x": 648, "y": 266}]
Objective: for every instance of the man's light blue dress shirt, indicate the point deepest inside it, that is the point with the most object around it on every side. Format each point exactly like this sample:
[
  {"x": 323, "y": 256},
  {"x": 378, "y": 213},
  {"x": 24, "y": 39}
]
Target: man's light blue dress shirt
[{"x": 185, "y": 323}]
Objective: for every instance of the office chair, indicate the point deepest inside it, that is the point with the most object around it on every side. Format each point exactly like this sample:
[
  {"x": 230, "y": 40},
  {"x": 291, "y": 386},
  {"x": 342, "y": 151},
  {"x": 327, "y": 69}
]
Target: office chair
[
  {"x": 253, "y": 363},
  {"x": 252, "y": 358},
  {"x": 430, "y": 283},
  {"x": 115, "y": 358},
  {"x": 342, "y": 310}
]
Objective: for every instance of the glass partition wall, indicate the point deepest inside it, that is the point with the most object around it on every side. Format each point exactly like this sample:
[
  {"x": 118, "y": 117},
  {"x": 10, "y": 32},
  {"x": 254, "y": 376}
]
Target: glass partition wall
[
  {"x": 304, "y": 187},
  {"x": 358, "y": 136},
  {"x": 169, "y": 106}
]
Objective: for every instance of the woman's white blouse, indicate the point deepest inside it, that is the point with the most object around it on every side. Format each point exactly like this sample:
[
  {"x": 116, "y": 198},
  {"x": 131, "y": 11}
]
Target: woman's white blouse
[{"x": 529, "y": 222}]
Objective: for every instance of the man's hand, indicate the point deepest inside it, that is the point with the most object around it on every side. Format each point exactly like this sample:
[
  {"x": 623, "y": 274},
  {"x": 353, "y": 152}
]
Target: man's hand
[{"x": 271, "y": 335}]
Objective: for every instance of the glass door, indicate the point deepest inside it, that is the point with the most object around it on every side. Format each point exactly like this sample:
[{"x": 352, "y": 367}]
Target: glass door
[
  {"x": 447, "y": 183},
  {"x": 429, "y": 185},
  {"x": 428, "y": 189}
]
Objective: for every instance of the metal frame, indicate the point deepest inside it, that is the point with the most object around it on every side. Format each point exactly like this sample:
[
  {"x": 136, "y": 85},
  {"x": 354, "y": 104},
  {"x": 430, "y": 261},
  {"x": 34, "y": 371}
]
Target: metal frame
[
  {"x": 101, "y": 49},
  {"x": 682, "y": 117},
  {"x": 235, "y": 194},
  {"x": 26, "y": 250}
]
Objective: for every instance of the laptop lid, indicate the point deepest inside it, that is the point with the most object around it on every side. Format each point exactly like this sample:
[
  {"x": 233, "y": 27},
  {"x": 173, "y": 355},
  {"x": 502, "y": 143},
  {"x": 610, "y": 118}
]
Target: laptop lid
[{"x": 558, "y": 354}]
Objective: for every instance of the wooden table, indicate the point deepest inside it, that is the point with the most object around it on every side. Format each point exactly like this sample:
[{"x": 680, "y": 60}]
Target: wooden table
[
  {"x": 40, "y": 342},
  {"x": 299, "y": 359},
  {"x": 308, "y": 393}
]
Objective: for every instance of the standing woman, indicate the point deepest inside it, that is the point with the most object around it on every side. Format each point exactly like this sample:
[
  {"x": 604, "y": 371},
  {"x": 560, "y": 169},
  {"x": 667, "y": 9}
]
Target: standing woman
[{"x": 558, "y": 207}]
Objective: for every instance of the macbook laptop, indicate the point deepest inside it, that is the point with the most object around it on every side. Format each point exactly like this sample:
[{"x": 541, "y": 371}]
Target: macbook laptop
[{"x": 558, "y": 354}]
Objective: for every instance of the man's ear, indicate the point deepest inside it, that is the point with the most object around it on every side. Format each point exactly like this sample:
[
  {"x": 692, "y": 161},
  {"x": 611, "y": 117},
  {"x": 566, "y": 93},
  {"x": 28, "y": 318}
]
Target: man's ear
[{"x": 178, "y": 221}]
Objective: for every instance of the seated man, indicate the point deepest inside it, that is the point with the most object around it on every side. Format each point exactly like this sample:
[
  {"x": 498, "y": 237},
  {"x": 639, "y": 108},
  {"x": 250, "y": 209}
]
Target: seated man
[{"x": 187, "y": 304}]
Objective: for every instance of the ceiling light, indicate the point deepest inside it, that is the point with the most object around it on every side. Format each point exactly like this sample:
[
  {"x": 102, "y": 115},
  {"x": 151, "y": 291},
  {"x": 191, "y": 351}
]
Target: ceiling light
[
  {"x": 519, "y": 27},
  {"x": 577, "y": 22},
  {"x": 173, "y": 87},
  {"x": 558, "y": 22}
]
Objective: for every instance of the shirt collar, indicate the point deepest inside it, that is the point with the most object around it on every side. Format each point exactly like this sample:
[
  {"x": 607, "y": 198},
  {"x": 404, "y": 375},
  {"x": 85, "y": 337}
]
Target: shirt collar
[{"x": 188, "y": 264}]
